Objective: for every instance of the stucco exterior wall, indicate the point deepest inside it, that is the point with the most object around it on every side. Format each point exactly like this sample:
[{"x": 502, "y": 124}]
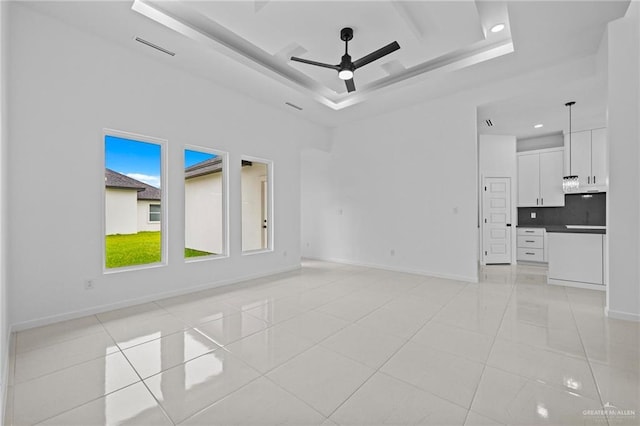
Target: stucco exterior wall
[
  {"x": 252, "y": 215},
  {"x": 204, "y": 213},
  {"x": 120, "y": 211}
]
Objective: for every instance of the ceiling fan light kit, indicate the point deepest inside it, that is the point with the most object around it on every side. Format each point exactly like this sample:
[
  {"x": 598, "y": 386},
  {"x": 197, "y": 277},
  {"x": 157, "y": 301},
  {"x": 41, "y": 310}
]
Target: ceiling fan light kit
[{"x": 346, "y": 67}]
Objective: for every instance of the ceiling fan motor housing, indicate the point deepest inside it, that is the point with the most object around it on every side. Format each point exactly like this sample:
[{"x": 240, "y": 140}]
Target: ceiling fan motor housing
[{"x": 346, "y": 67}]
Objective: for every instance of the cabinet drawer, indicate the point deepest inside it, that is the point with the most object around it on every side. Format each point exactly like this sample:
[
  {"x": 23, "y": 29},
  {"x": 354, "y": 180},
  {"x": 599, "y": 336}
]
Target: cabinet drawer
[
  {"x": 539, "y": 232},
  {"x": 531, "y": 254},
  {"x": 530, "y": 241}
]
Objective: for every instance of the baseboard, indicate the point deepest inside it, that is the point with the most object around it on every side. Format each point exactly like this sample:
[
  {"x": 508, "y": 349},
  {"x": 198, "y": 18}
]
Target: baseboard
[
  {"x": 626, "y": 316},
  {"x": 576, "y": 284},
  {"x": 397, "y": 269},
  {"x": 4, "y": 386},
  {"x": 131, "y": 302}
]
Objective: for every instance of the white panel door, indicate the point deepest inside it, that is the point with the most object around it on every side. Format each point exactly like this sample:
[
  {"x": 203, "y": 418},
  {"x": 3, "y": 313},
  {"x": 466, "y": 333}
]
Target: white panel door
[
  {"x": 528, "y": 180},
  {"x": 551, "y": 193},
  {"x": 496, "y": 226},
  {"x": 581, "y": 157},
  {"x": 599, "y": 157}
]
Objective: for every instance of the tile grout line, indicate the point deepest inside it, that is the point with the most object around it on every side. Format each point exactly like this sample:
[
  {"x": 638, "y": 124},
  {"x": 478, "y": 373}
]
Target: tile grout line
[
  {"x": 392, "y": 355},
  {"x": 493, "y": 342},
  {"x": 586, "y": 356},
  {"x": 135, "y": 370}
]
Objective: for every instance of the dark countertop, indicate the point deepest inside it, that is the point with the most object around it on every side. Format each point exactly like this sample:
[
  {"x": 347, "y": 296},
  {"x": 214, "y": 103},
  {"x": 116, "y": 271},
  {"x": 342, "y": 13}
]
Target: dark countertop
[{"x": 564, "y": 229}]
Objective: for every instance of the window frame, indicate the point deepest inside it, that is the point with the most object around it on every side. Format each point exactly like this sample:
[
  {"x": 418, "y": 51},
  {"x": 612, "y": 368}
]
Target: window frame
[
  {"x": 149, "y": 220},
  {"x": 270, "y": 206},
  {"x": 164, "y": 228},
  {"x": 225, "y": 204}
]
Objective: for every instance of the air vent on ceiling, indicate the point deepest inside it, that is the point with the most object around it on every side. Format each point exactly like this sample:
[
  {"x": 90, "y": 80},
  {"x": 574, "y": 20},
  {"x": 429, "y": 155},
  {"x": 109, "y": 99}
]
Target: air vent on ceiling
[
  {"x": 293, "y": 106},
  {"x": 155, "y": 46},
  {"x": 489, "y": 122}
]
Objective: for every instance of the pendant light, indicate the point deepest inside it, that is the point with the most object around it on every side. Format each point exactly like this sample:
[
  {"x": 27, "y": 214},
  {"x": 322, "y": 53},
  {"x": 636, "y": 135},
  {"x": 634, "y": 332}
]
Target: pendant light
[{"x": 570, "y": 183}]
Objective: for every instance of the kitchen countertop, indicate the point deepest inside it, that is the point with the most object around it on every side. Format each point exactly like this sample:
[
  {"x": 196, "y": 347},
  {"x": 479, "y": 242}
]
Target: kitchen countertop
[{"x": 564, "y": 229}]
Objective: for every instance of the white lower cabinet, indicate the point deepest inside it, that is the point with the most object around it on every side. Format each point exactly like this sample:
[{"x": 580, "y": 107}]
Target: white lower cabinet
[
  {"x": 531, "y": 245},
  {"x": 576, "y": 259}
]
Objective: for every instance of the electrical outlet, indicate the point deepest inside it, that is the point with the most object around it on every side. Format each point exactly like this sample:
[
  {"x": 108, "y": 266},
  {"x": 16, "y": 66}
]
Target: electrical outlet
[
  {"x": 533, "y": 215},
  {"x": 88, "y": 285}
]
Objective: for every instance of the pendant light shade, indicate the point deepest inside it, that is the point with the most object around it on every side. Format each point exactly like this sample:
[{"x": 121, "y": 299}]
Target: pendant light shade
[{"x": 570, "y": 183}]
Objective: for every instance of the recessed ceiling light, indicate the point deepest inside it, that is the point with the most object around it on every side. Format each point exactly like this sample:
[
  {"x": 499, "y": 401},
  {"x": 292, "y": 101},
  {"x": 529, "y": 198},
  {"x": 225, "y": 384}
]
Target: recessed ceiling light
[
  {"x": 537, "y": 126},
  {"x": 497, "y": 28}
]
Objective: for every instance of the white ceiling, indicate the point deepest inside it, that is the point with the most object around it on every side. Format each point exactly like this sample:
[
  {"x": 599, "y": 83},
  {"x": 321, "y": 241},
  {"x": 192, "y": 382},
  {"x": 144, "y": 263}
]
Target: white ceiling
[{"x": 245, "y": 45}]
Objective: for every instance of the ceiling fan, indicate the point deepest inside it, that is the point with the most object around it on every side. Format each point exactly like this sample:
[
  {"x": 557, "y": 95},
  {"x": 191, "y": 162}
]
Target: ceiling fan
[{"x": 346, "y": 67}]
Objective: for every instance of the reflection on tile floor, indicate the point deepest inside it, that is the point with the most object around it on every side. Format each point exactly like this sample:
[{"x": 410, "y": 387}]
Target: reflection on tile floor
[{"x": 334, "y": 344}]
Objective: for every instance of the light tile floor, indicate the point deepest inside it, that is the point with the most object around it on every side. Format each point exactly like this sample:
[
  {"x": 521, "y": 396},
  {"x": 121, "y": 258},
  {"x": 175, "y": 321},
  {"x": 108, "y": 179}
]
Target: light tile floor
[{"x": 338, "y": 345}]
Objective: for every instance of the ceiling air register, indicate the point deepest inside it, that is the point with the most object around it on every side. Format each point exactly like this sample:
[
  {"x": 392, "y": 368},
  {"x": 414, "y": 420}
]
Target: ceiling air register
[{"x": 346, "y": 67}]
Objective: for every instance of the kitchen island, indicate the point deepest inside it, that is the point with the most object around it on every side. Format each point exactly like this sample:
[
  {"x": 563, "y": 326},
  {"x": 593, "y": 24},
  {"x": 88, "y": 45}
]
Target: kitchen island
[{"x": 576, "y": 256}]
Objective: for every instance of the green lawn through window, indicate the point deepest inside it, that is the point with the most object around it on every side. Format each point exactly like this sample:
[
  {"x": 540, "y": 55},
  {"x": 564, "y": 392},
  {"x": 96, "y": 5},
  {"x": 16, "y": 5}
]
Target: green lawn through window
[{"x": 138, "y": 249}]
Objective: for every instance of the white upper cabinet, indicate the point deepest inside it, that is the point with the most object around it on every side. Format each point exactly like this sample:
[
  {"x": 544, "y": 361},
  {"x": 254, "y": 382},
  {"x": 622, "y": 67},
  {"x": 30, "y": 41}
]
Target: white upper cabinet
[
  {"x": 551, "y": 174},
  {"x": 599, "y": 173},
  {"x": 580, "y": 158},
  {"x": 540, "y": 178},
  {"x": 528, "y": 180},
  {"x": 587, "y": 158}
]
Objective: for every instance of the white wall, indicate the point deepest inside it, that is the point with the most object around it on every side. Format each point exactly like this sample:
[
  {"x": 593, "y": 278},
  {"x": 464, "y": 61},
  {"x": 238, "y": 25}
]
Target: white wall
[
  {"x": 405, "y": 182},
  {"x": 66, "y": 86},
  {"x": 623, "y": 218},
  {"x": 204, "y": 213},
  {"x": 252, "y": 206},
  {"x": 4, "y": 143},
  {"x": 121, "y": 212},
  {"x": 143, "y": 224},
  {"x": 497, "y": 158}
]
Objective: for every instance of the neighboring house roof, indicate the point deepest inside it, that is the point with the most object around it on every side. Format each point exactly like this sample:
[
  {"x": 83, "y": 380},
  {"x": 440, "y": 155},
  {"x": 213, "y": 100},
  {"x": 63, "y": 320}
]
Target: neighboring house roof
[
  {"x": 114, "y": 179},
  {"x": 207, "y": 167}
]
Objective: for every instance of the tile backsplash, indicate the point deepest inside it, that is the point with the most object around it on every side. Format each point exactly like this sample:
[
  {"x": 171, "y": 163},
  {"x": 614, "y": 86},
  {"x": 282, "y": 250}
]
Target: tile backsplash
[{"x": 579, "y": 209}]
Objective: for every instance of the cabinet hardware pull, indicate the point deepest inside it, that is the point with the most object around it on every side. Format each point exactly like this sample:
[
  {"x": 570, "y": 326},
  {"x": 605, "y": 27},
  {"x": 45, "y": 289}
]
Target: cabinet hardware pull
[
  {"x": 529, "y": 241},
  {"x": 532, "y": 254},
  {"x": 542, "y": 201},
  {"x": 530, "y": 232},
  {"x": 594, "y": 179},
  {"x": 536, "y": 201},
  {"x": 588, "y": 179}
]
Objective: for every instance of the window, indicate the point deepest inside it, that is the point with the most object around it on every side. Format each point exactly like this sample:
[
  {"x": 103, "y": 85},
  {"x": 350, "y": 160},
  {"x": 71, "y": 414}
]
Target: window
[
  {"x": 133, "y": 207},
  {"x": 204, "y": 203},
  {"x": 256, "y": 204},
  {"x": 154, "y": 213}
]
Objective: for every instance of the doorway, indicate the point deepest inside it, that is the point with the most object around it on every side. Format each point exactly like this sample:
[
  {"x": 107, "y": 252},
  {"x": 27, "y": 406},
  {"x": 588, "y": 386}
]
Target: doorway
[{"x": 496, "y": 220}]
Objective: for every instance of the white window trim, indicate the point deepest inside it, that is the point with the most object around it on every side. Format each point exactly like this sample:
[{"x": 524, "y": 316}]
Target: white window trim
[
  {"x": 270, "y": 207},
  {"x": 225, "y": 204},
  {"x": 163, "y": 204},
  {"x": 149, "y": 213}
]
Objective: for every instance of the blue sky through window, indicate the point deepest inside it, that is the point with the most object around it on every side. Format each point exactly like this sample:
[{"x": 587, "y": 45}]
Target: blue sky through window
[
  {"x": 136, "y": 159},
  {"x": 195, "y": 157}
]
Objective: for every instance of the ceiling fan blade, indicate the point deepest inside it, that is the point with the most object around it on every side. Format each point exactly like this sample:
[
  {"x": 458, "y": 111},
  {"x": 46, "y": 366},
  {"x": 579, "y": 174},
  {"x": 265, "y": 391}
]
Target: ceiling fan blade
[
  {"x": 318, "y": 64},
  {"x": 351, "y": 86},
  {"x": 374, "y": 56}
]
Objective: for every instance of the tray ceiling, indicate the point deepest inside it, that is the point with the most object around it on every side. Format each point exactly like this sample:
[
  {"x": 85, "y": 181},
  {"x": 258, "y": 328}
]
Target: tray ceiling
[{"x": 434, "y": 37}]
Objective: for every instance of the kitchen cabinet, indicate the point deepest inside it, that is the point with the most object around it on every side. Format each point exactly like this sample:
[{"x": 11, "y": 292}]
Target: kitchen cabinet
[
  {"x": 576, "y": 259},
  {"x": 586, "y": 157},
  {"x": 540, "y": 178},
  {"x": 531, "y": 245}
]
